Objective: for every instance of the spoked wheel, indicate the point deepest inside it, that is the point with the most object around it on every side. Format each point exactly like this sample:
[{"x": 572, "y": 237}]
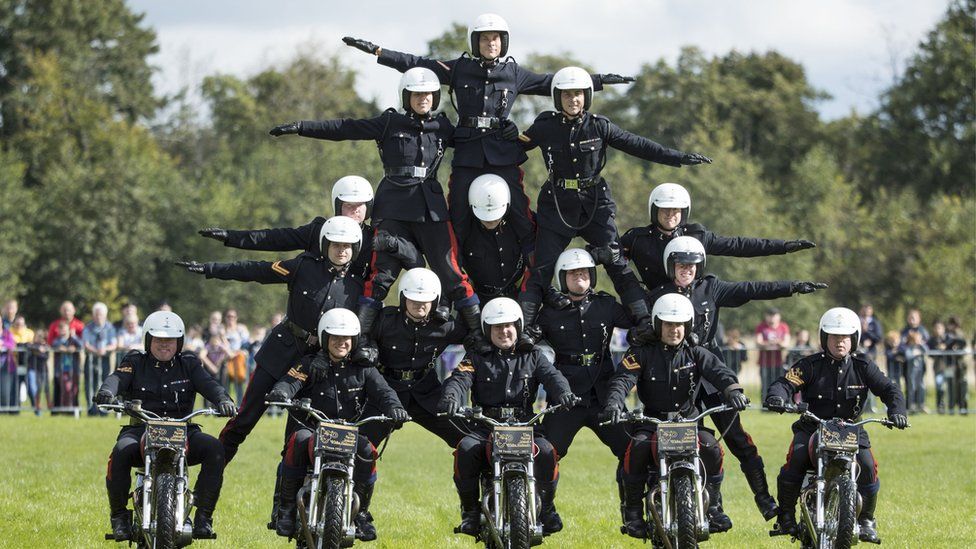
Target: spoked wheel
[
  {"x": 683, "y": 511},
  {"x": 840, "y": 514},
  {"x": 165, "y": 510},
  {"x": 330, "y": 513},
  {"x": 518, "y": 513}
]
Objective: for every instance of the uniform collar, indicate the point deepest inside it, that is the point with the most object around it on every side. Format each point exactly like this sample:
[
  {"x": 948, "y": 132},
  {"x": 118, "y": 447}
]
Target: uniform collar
[
  {"x": 411, "y": 322},
  {"x": 572, "y": 121}
]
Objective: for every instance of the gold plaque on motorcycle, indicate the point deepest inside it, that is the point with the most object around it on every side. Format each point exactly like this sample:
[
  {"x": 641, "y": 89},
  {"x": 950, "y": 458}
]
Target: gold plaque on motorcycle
[
  {"x": 336, "y": 438},
  {"x": 842, "y": 438},
  {"x": 677, "y": 437},
  {"x": 512, "y": 441},
  {"x": 165, "y": 434}
]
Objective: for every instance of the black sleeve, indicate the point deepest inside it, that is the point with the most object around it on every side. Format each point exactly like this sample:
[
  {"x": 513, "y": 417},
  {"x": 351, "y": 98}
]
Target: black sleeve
[
  {"x": 263, "y": 272},
  {"x": 625, "y": 378},
  {"x": 405, "y": 61},
  {"x": 458, "y": 332},
  {"x": 203, "y": 382},
  {"x": 735, "y": 294},
  {"x": 552, "y": 379},
  {"x": 528, "y": 138},
  {"x": 342, "y": 129},
  {"x": 457, "y": 386},
  {"x": 119, "y": 381},
  {"x": 886, "y": 389},
  {"x": 736, "y": 246},
  {"x": 621, "y": 318},
  {"x": 276, "y": 240},
  {"x": 530, "y": 83},
  {"x": 380, "y": 392},
  {"x": 715, "y": 371},
  {"x": 641, "y": 147},
  {"x": 294, "y": 379}
]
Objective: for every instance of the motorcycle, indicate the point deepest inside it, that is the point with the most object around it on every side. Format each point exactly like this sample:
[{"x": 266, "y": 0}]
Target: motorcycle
[
  {"x": 326, "y": 502},
  {"x": 162, "y": 498},
  {"x": 677, "y": 506},
  {"x": 829, "y": 502},
  {"x": 508, "y": 521}
]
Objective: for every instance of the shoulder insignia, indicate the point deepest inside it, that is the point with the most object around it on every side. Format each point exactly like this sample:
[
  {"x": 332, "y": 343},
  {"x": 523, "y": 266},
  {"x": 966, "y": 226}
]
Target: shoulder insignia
[
  {"x": 795, "y": 376},
  {"x": 524, "y": 138},
  {"x": 276, "y": 267},
  {"x": 125, "y": 368},
  {"x": 300, "y": 376},
  {"x": 465, "y": 366},
  {"x": 630, "y": 362}
]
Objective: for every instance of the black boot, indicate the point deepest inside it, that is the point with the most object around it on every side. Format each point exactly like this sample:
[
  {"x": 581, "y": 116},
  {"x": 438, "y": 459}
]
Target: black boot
[
  {"x": 285, "y": 524},
  {"x": 471, "y": 316},
  {"x": 623, "y": 501},
  {"x": 276, "y": 498},
  {"x": 366, "y": 352},
  {"x": 470, "y": 513},
  {"x": 121, "y": 525},
  {"x": 203, "y": 524},
  {"x": 869, "y": 527},
  {"x": 787, "y": 493},
  {"x": 530, "y": 333},
  {"x": 757, "y": 483},
  {"x": 635, "y": 525},
  {"x": 442, "y": 312},
  {"x": 365, "y": 530},
  {"x": 718, "y": 521},
  {"x": 550, "y": 519}
]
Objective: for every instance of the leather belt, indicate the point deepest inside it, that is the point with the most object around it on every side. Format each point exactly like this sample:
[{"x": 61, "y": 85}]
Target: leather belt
[
  {"x": 406, "y": 171},
  {"x": 576, "y": 184},
  {"x": 404, "y": 375},
  {"x": 485, "y": 122},
  {"x": 576, "y": 360},
  {"x": 301, "y": 334}
]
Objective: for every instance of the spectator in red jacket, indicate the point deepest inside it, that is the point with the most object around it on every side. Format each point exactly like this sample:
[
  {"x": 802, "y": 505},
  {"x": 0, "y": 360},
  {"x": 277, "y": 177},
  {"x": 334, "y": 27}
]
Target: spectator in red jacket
[{"x": 67, "y": 315}]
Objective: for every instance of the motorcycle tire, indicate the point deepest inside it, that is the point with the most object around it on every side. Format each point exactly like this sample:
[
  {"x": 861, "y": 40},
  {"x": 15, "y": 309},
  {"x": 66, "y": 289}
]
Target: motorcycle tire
[
  {"x": 685, "y": 517},
  {"x": 330, "y": 512},
  {"x": 517, "y": 511},
  {"x": 840, "y": 514},
  {"x": 167, "y": 523}
]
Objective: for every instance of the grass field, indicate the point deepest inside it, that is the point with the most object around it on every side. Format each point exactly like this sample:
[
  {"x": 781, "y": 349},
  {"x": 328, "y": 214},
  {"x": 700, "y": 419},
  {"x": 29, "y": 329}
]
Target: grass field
[{"x": 52, "y": 490}]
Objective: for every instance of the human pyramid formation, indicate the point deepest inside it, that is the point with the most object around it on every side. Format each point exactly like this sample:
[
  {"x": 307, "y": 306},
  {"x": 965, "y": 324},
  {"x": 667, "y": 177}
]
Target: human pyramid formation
[{"x": 486, "y": 246}]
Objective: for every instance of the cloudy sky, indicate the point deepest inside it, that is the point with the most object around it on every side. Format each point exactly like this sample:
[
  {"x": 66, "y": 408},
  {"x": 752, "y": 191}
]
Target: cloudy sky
[{"x": 851, "y": 49}]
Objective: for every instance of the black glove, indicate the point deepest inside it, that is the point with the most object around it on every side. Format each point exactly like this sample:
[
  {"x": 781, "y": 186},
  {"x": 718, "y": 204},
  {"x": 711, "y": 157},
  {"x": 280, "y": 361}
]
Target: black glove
[
  {"x": 214, "y": 233},
  {"x": 476, "y": 343},
  {"x": 611, "y": 78},
  {"x": 440, "y": 314},
  {"x": 399, "y": 416},
  {"x": 227, "y": 408},
  {"x": 103, "y": 396},
  {"x": 275, "y": 395},
  {"x": 283, "y": 129},
  {"x": 365, "y": 355},
  {"x": 692, "y": 159},
  {"x": 510, "y": 131},
  {"x": 612, "y": 413},
  {"x": 737, "y": 400},
  {"x": 448, "y": 406},
  {"x": 799, "y": 287},
  {"x": 643, "y": 333},
  {"x": 568, "y": 400},
  {"x": 556, "y": 300},
  {"x": 361, "y": 45},
  {"x": 604, "y": 255},
  {"x": 191, "y": 266},
  {"x": 797, "y": 245},
  {"x": 900, "y": 420},
  {"x": 384, "y": 242},
  {"x": 775, "y": 403}
]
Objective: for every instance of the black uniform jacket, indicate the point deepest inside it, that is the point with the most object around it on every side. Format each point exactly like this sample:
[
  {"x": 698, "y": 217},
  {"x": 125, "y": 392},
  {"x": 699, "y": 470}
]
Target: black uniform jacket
[
  {"x": 314, "y": 286},
  {"x": 493, "y": 260},
  {"x": 165, "y": 388},
  {"x": 485, "y": 90},
  {"x": 505, "y": 379},
  {"x": 408, "y": 345},
  {"x": 667, "y": 378},
  {"x": 645, "y": 247},
  {"x": 306, "y": 238},
  {"x": 580, "y": 336},
  {"x": 709, "y": 294},
  {"x": 837, "y": 388},
  {"x": 405, "y": 140},
  {"x": 342, "y": 392}
]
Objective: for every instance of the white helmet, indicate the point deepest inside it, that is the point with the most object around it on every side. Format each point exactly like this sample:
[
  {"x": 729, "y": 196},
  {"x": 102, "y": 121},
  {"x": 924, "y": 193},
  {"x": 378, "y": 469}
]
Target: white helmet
[
  {"x": 684, "y": 249},
  {"x": 574, "y": 258},
  {"x": 501, "y": 310},
  {"x": 420, "y": 284},
  {"x": 673, "y": 308},
  {"x": 572, "y": 78},
  {"x": 489, "y": 197},
  {"x": 487, "y": 22},
  {"x": 341, "y": 229},
  {"x": 669, "y": 195},
  {"x": 419, "y": 79},
  {"x": 840, "y": 321},
  {"x": 338, "y": 322},
  {"x": 352, "y": 188},
  {"x": 163, "y": 324}
]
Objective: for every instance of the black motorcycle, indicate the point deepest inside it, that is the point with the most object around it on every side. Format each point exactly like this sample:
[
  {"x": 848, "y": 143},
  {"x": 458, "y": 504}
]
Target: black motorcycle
[
  {"x": 829, "y": 502},
  {"x": 162, "y": 498},
  {"x": 326, "y": 502}
]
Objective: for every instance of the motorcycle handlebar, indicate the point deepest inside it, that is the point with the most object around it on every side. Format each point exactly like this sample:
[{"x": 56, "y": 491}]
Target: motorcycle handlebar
[
  {"x": 637, "y": 416},
  {"x": 803, "y": 409},
  {"x": 306, "y": 406},
  {"x": 474, "y": 413},
  {"x": 134, "y": 408}
]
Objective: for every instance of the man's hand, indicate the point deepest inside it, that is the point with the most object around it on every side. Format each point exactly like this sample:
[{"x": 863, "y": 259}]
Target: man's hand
[
  {"x": 800, "y": 287},
  {"x": 276, "y": 395},
  {"x": 192, "y": 266},
  {"x": 365, "y": 355},
  {"x": 605, "y": 255},
  {"x": 692, "y": 159},
  {"x": 399, "y": 416},
  {"x": 360, "y": 44},
  {"x": 227, "y": 408},
  {"x": 448, "y": 406},
  {"x": 510, "y": 131},
  {"x": 476, "y": 343},
  {"x": 215, "y": 233},
  {"x": 568, "y": 400},
  {"x": 797, "y": 245},
  {"x": 737, "y": 400},
  {"x": 611, "y": 78},
  {"x": 384, "y": 242},
  {"x": 900, "y": 420},
  {"x": 103, "y": 396},
  {"x": 612, "y": 413},
  {"x": 291, "y": 127},
  {"x": 776, "y": 403},
  {"x": 556, "y": 300},
  {"x": 643, "y": 333}
]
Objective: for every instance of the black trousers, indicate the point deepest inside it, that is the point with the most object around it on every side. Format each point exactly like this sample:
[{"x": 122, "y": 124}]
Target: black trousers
[
  {"x": 799, "y": 461},
  {"x": 299, "y": 457},
  {"x": 641, "y": 456},
  {"x": 251, "y": 409},
  {"x": 204, "y": 450},
  {"x": 736, "y": 437},
  {"x": 437, "y": 243},
  {"x": 473, "y": 453},
  {"x": 520, "y": 215},
  {"x": 441, "y": 426},
  {"x": 562, "y": 426}
]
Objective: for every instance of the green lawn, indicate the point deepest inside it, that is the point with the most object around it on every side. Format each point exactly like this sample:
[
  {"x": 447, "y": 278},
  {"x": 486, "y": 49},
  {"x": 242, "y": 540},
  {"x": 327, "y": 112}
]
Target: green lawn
[{"x": 52, "y": 487}]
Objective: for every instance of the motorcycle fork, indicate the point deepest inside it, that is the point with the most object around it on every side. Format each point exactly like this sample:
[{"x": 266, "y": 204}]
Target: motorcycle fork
[
  {"x": 664, "y": 480},
  {"x": 313, "y": 496},
  {"x": 348, "y": 489},
  {"x": 497, "y": 494},
  {"x": 147, "y": 489},
  {"x": 700, "y": 496},
  {"x": 530, "y": 485}
]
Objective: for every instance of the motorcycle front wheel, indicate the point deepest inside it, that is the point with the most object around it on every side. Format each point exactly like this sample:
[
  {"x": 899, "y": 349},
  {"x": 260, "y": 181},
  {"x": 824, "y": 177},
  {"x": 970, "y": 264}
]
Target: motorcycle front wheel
[
  {"x": 330, "y": 512},
  {"x": 518, "y": 513},
  {"x": 683, "y": 505},
  {"x": 840, "y": 514},
  {"x": 165, "y": 509}
]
